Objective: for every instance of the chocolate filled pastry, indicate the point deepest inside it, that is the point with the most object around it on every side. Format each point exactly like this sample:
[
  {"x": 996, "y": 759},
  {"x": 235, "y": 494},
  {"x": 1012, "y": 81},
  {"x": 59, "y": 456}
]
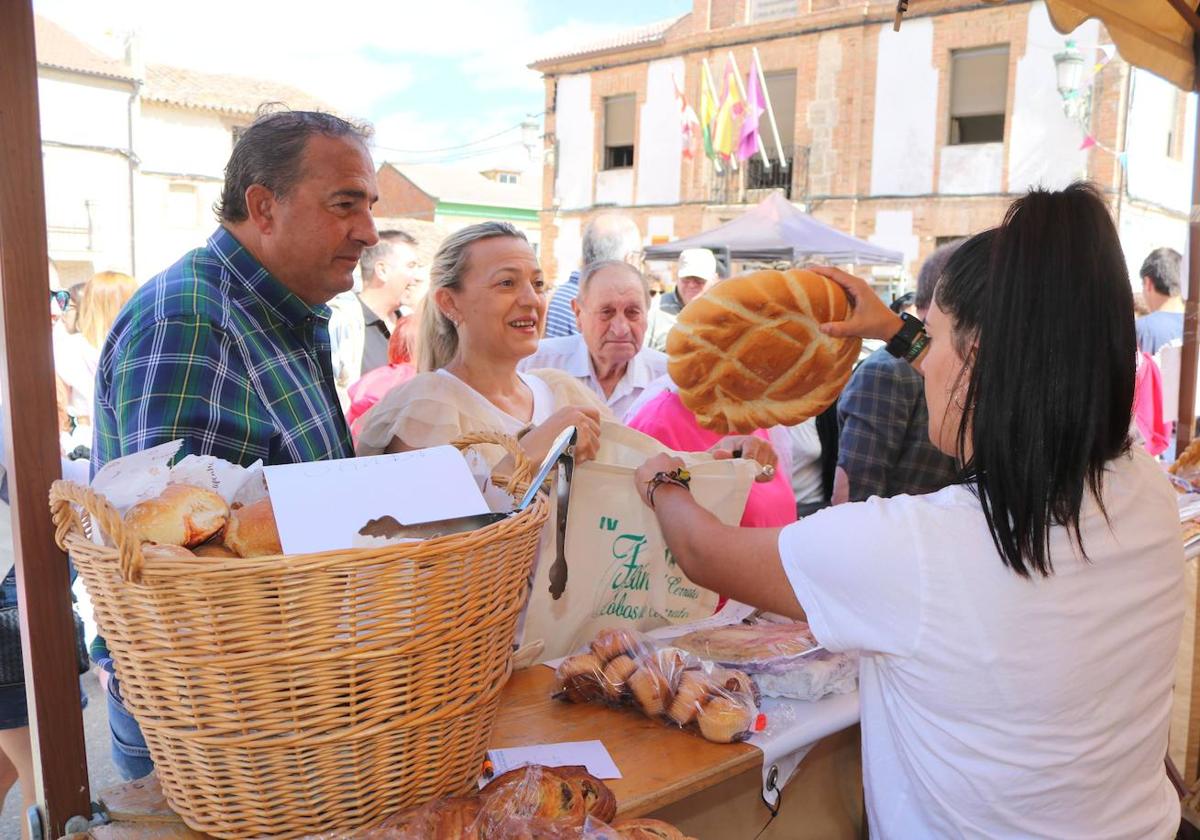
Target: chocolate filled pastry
[
  {"x": 599, "y": 801},
  {"x": 648, "y": 829},
  {"x": 180, "y": 515},
  {"x": 533, "y": 792},
  {"x": 609, "y": 644},
  {"x": 580, "y": 678},
  {"x": 724, "y": 720},
  {"x": 252, "y": 531},
  {"x": 694, "y": 688},
  {"x": 616, "y": 678},
  {"x": 650, "y": 689}
]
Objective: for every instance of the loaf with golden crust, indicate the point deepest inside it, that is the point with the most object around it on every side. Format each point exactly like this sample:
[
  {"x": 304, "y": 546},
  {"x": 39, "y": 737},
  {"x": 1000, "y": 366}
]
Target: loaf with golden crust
[
  {"x": 749, "y": 354},
  {"x": 180, "y": 515},
  {"x": 252, "y": 531}
]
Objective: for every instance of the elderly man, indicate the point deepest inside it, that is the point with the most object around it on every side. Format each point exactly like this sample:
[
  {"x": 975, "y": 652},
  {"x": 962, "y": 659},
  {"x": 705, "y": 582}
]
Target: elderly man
[
  {"x": 697, "y": 272},
  {"x": 607, "y": 353},
  {"x": 609, "y": 236},
  {"x": 228, "y": 349}
]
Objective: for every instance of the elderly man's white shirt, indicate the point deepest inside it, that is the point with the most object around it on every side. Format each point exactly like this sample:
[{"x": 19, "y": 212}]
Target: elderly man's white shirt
[{"x": 570, "y": 354}]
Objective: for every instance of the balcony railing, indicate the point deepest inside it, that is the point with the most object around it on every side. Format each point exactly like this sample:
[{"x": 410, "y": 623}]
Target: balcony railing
[{"x": 755, "y": 178}]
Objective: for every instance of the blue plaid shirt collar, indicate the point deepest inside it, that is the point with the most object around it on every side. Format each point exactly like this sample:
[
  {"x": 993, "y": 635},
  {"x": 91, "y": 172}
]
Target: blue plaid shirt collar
[{"x": 259, "y": 285}]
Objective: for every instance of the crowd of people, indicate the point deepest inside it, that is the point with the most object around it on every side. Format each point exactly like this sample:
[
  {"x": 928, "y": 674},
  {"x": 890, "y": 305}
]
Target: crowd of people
[{"x": 958, "y": 524}]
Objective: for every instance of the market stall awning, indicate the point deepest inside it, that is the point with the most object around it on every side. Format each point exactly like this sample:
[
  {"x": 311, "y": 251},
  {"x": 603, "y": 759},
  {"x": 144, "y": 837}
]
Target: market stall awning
[
  {"x": 776, "y": 230},
  {"x": 1152, "y": 34}
]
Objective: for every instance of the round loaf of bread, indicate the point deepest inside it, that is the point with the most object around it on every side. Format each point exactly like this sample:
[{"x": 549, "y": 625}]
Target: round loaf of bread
[
  {"x": 749, "y": 353},
  {"x": 252, "y": 531},
  {"x": 180, "y": 515}
]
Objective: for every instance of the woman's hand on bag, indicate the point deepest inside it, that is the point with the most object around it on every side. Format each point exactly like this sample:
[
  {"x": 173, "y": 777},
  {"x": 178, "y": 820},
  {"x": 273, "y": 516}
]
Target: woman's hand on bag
[
  {"x": 870, "y": 316},
  {"x": 646, "y": 472},
  {"x": 538, "y": 440},
  {"x": 752, "y": 448}
]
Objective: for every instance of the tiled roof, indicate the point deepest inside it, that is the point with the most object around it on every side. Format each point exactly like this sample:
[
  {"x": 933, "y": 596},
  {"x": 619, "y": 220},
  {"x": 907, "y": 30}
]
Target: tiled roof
[
  {"x": 651, "y": 33},
  {"x": 221, "y": 92},
  {"x": 463, "y": 185},
  {"x": 58, "y": 48}
]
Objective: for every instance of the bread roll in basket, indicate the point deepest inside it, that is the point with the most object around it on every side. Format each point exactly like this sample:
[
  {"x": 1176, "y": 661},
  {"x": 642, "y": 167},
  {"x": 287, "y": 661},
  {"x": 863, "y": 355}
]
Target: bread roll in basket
[{"x": 749, "y": 353}]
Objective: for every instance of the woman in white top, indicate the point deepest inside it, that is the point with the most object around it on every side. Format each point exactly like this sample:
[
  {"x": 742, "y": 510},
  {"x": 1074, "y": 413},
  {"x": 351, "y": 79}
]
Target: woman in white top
[
  {"x": 483, "y": 314},
  {"x": 1018, "y": 630}
]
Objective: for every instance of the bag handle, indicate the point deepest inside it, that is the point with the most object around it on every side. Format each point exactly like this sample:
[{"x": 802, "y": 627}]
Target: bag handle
[{"x": 64, "y": 495}]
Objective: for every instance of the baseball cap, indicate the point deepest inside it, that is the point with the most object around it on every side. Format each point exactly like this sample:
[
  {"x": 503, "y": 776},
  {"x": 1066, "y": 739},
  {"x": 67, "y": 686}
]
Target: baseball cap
[{"x": 698, "y": 262}]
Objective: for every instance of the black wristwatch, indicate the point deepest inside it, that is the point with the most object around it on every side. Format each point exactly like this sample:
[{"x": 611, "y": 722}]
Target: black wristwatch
[{"x": 910, "y": 338}]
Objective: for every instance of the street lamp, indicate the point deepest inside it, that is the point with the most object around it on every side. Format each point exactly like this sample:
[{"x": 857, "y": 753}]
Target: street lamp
[{"x": 1069, "y": 67}]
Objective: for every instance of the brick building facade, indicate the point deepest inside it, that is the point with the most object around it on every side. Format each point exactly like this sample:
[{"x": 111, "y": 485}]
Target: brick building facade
[{"x": 906, "y": 139}]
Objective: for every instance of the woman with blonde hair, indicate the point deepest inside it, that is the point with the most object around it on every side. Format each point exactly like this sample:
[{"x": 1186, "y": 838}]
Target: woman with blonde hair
[
  {"x": 77, "y": 355},
  {"x": 484, "y": 313}
]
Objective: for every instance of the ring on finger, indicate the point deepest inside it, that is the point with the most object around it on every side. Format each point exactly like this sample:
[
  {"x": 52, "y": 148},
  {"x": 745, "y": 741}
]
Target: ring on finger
[{"x": 768, "y": 470}]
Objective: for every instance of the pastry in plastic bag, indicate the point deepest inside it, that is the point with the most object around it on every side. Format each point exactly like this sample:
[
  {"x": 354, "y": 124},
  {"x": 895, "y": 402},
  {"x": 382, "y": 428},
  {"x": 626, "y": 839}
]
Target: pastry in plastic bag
[
  {"x": 661, "y": 681},
  {"x": 725, "y": 719},
  {"x": 648, "y": 829},
  {"x": 747, "y": 645}
]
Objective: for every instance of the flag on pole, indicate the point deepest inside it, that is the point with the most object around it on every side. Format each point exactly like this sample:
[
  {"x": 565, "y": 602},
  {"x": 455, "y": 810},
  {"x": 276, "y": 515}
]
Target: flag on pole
[
  {"x": 728, "y": 128},
  {"x": 756, "y": 105},
  {"x": 708, "y": 112},
  {"x": 689, "y": 123}
]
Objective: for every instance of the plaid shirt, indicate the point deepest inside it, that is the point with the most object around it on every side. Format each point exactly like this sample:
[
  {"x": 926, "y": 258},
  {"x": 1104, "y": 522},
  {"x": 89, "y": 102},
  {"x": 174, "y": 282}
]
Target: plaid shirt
[
  {"x": 884, "y": 441},
  {"x": 219, "y": 353}
]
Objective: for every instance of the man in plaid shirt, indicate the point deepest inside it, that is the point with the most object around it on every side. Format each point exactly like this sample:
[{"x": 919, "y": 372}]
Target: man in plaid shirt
[
  {"x": 883, "y": 445},
  {"x": 228, "y": 349}
]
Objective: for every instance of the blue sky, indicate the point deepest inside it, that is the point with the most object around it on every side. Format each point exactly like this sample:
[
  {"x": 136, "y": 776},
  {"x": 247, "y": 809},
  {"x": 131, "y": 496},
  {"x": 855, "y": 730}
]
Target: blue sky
[{"x": 428, "y": 73}]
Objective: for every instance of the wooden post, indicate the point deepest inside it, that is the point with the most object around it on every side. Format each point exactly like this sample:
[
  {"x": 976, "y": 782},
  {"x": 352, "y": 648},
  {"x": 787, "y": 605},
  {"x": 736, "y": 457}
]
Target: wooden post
[
  {"x": 30, "y": 423},
  {"x": 1191, "y": 311}
]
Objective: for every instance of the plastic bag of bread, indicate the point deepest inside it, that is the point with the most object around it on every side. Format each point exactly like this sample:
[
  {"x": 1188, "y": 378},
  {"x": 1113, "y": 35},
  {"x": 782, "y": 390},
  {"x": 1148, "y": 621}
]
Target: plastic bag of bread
[
  {"x": 784, "y": 659},
  {"x": 547, "y": 803},
  {"x": 749, "y": 353},
  {"x": 662, "y": 682}
]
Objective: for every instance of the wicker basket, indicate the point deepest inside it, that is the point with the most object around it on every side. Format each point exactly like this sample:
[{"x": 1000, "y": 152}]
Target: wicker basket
[{"x": 284, "y": 695}]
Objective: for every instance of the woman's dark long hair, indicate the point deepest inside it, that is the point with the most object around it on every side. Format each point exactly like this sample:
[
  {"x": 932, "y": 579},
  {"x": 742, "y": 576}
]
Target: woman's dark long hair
[{"x": 1043, "y": 310}]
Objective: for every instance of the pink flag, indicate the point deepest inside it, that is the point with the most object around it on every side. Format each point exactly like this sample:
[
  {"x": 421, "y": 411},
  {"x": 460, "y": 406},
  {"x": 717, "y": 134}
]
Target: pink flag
[
  {"x": 1087, "y": 143},
  {"x": 755, "y": 107}
]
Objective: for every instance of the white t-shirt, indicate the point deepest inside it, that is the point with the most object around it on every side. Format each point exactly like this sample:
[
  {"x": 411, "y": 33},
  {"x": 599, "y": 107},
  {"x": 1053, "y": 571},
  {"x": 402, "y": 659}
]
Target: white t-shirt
[{"x": 995, "y": 705}]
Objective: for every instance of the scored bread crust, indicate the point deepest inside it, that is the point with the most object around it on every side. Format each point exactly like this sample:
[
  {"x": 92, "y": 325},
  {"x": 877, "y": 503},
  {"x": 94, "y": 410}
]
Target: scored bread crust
[{"x": 749, "y": 354}]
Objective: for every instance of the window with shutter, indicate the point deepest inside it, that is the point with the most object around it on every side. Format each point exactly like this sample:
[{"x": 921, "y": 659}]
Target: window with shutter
[
  {"x": 618, "y": 131},
  {"x": 978, "y": 95}
]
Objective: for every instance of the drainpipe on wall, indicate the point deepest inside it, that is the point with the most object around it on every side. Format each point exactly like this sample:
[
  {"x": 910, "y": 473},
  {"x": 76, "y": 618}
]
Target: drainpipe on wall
[{"x": 133, "y": 56}]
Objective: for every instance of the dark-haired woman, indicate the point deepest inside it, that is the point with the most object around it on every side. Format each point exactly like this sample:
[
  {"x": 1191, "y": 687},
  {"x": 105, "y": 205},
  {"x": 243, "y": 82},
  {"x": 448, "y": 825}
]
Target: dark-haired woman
[{"x": 1018, "y": 630}]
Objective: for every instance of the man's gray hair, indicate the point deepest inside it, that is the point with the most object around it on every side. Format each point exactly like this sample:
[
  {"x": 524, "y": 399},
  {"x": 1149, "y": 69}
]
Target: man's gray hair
[
  {"x": 271, "y": 153},
  {"x": 381, "y": 250},
  {"x": 592, "y": 269},
  {"x": 610, "y": 236}
]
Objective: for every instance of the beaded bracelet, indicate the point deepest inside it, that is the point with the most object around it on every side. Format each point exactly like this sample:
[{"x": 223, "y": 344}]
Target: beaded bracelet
[{"x": 678, "y": 477}]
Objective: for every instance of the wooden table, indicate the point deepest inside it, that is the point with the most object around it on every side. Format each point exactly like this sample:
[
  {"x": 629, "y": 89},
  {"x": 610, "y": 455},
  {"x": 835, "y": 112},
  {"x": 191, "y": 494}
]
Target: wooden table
[{"x": 661, "y": 766}]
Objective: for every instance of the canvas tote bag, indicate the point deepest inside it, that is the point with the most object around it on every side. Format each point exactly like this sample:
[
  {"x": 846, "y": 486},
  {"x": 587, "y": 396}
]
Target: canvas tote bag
[{"x": 619, "y": 571}]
